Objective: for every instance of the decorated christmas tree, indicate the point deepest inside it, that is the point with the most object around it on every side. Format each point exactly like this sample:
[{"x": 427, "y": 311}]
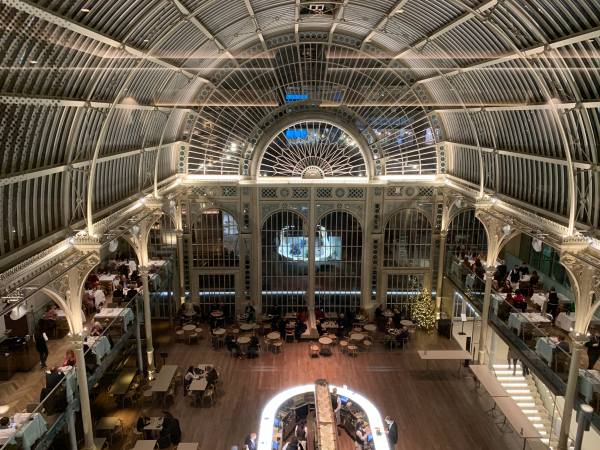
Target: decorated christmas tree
[{"x": 424, "y": 311}]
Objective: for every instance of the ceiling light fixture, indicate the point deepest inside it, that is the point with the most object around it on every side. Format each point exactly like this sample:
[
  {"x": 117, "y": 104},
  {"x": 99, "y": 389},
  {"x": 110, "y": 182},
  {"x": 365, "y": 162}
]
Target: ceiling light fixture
[{"x": 85, "y": 10}]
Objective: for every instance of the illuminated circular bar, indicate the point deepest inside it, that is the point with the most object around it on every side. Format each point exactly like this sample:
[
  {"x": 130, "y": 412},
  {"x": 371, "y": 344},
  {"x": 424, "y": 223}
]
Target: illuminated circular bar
[{"x": 265, "y": 435}]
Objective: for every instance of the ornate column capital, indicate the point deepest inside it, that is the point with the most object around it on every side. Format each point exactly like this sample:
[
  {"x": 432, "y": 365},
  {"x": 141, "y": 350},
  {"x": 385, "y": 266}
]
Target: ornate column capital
[
  {"x": 179, "y": 233},
  {"x": 144, "y": 271},
  {"x": 77, "y": 340},
  {"x": 579, "y": 339}
]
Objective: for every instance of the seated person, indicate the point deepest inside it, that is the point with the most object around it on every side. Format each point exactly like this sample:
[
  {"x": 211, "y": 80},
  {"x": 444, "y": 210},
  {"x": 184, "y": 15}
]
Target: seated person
[
  {"x": 97, "y": 329},
  {"x": 403, "y": 335},
  {"x": 212, "y": 376},
  {"x": 232, "y": 345},
  {"x": 253, "y": 347},
  {"x": 319, "y": 314},
  {"x": 523, "y": 268},
  {"x": 141, "y": 423},
  {"x": 118, "y": 293},
  {"x": 131, "y": 293},
  {"x": 534, "y": 280},
  {"x": 5, "y": 422},
  {"x": 53, "y": 378},
  {"x": 70, "y": 359},
  {"x": 188, "y": 378},
  {"x": 519, "y": 301},
  {"x": 51, "y": 313},
  {"x": 563, "y": 345}
]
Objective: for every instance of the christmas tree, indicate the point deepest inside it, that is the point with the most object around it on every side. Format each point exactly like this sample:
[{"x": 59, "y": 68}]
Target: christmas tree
[{"x": 424, "y": 311}]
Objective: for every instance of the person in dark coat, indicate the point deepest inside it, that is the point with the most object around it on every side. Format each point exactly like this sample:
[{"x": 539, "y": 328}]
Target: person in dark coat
[
  {"x": 40, "y": 338},
  {"x": 392, "y": 432},
  {"x": 593, "y": 350}
]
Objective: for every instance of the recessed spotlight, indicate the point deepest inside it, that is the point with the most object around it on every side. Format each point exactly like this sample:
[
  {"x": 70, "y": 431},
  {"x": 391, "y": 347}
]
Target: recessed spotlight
[
  {"x": 85, "y": 10},
  {"x": 145, "y": 41},
  {"x": 33, "y": 61}
]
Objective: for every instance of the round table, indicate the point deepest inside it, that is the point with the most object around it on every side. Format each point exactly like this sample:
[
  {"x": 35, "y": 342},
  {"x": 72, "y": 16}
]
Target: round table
[
  {"x": 406, "y": 323},
  {"x": 357, "y": 337},
  {"x": 219, "y": 331},
  {"x": 198, "y": 330},
  {"x": 247, "y": 326},
  {"x": 273, "y": 335},
  {"x": 370, "y": 327},
  {"x": 324, "y": 340},
  {"x": 243, "y": 340},
  {"x": 189, "y": 328},
  {"x": 388, "y": 313}
]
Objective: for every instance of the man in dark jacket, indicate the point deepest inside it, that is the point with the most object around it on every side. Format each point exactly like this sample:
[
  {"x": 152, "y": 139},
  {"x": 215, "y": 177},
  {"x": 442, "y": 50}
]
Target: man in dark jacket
[
  {"x": 392, "y": 432},
  {"x": 593, "y": 350}
]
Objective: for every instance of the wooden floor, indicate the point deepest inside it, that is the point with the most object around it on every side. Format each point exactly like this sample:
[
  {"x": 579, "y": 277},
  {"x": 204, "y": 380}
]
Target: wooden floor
[{"x": 434, "y": 409}]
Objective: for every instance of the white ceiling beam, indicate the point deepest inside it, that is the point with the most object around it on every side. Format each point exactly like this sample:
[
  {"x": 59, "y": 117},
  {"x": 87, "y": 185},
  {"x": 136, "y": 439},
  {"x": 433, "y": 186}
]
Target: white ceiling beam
[
  {"x": 416, "y": 46},
  {"x": 257, "y": 28},
  {"x": 519, "y": 154},
  {"x": 588, "y": 104},
  {"x": 200, "y": 26},
  {"x": 594, "y": 33},
  {"x": 11, "y": 99},
  {"x": 336, "y": 20},
  {"x": 5, "y": 181},
  {"x": 75, "y": 27},
  {"x": 383, "y": 22}
]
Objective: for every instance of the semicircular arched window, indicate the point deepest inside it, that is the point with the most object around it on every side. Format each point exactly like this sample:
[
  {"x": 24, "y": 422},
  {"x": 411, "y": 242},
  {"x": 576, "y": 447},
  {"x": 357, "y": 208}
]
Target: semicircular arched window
[{"x": 313, "y": 150}]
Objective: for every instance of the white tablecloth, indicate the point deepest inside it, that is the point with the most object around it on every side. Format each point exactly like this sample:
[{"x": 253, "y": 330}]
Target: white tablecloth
[
  {"x": 589, "y": 382},
  {"x": 516, "y": 320},
  {"x": 111, "y": 313},
  {"x": 32, "y": 428},
  {"x": 545, "y": 348},
  {"x": 100, "y": 346}
]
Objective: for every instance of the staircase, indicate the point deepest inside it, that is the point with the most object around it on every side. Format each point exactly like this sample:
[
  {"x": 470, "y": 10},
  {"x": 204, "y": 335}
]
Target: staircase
[{"x": 524, "y": 391}]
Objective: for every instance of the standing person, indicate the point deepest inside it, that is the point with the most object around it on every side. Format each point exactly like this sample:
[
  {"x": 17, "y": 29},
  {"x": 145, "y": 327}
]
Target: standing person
[
  {"x": 40, "y": 338},
  {"x": 301, "y": 431},
  {"x": 360, "y": 435},
  {"x": 392, "y": 432},
  {"x": 593, "y": 349},
  {"x": 553, "y": 304},
  {"x": 250, "y": 441},
  {"x": 336, "y": 404},
  {"x": 512, "y": 357}
]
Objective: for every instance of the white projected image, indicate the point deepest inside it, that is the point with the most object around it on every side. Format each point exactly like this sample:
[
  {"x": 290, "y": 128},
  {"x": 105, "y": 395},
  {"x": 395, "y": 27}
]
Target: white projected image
[{"x": 294, "y": 245}]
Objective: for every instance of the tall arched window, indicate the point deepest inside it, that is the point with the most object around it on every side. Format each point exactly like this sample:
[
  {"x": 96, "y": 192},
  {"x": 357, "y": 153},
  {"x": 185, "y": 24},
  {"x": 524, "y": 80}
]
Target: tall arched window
[
  {"x": 215, "y": 239},
  {"x": 407, "y": 240},
  {"x": 466, "y": 234},
  {"x": 284, "y": 261},
  {"x": 338, "y": 261},
  {"x": 215, "y": 243},
  {"x": 162, "y": 240}
]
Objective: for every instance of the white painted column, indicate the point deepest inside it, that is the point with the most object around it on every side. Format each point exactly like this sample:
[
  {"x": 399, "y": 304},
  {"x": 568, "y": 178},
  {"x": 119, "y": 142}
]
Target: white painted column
[
  {"x": 72, "y": 431},
  {"x": 138, "y": 336},
  {"x": 84, "y": 395},
  {"x": 147, "y": 321},
  {"x": 565, "y": 426},
  {"x": 440, "y": 274},
  {"x": 489, "y": 277},
  {"x": 312, "y": 226},
  {"x": 180, "y": 267}
]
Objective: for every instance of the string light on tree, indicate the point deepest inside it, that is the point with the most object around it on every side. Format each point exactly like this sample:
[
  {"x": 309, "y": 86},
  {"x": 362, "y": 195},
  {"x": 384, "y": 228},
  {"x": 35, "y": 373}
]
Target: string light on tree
[{"x": 424, "y": 311}]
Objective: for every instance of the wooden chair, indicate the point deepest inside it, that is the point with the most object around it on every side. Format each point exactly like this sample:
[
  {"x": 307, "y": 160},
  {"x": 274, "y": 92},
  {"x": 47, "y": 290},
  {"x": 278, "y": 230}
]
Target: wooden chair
[
  {"x": 343, "y": 346},
  {"x": 277, "y": 345},
  {"x": 314, "y": 351},
  {"x": 209, "y": 394},
  {"x": 193, "y": 337},
  {"x": 290, "y": 334},
  {"x": 367, "y": 344}
]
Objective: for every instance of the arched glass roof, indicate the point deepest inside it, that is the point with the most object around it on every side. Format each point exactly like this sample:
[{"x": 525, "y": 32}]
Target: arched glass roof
[{"x": 97, "y": 98}]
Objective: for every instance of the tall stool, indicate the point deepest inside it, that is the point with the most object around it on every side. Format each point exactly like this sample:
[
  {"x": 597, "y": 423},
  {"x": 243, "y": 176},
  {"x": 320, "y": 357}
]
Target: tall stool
[
  {"x": 352, "y": 350},
  {"x": 343, "y": 346}
]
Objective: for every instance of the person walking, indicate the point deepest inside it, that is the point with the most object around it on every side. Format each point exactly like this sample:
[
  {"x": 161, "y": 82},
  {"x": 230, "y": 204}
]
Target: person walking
[
  {"x": 40, "y": 338},
  {"x": 392, "y": 432}
]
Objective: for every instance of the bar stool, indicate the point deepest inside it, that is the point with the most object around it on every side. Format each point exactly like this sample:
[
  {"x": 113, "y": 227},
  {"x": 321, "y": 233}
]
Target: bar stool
[
  {"x": 367, "y": 344},
  {"x": 343, "y": 346},
  {"x": 277, "y": 345},
  {"x": 352, "y": 350},
  {"x": 179, "y": 336}
]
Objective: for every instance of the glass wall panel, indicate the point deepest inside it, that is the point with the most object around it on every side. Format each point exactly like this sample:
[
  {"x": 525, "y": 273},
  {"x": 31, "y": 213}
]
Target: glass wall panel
[
  {"x": 407, "y": 240},
  {"x": 215, "y": 240},
  {"x": 338, "y": 261},
  {"x": 401, "y": 290},
  {"x": 217, "y": 291},
  {"x": 284, "y": 262}
]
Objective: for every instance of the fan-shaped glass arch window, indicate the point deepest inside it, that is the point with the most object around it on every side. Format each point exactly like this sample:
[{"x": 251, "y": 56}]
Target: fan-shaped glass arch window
[
  {"x": 338, "y": 261},
  {"x": 313, "y": 149},
  {"x": 215, "y": 239},
  {"x": 284, "y": 261},
  {"x": 407, "y": 240}
]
